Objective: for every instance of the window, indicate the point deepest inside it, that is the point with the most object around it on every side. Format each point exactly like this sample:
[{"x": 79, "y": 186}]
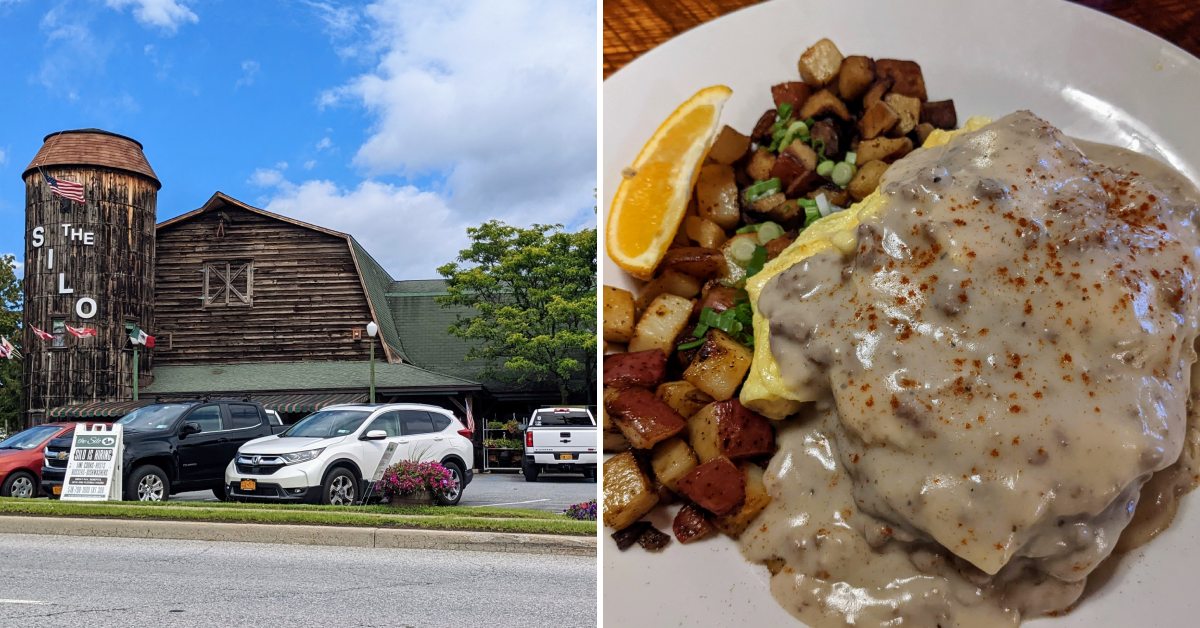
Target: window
[
  {"x": 58, "y": 327},
  {"x": 243, "y": 415},
  {"x": 228, "y": 283},
  {"x": 388, "y": 422},
  {"x": 209, "y": 418},
  {"x": 414, "y": 422},
  {"x": 440, "y": 421},
  {"x": 561, "y": 417}
]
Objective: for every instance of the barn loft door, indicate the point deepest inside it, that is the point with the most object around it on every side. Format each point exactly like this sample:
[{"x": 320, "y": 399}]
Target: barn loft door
[{"x": 228, "y": 283}]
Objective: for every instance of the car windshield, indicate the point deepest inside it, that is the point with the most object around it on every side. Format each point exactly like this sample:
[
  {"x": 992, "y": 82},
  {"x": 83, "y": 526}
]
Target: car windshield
[
  {"x": 562, "y": 418},
  {"x": 157, "y": 417},
  {"x": 327, "y": 424},
  {"x": 29, "y": 438}
]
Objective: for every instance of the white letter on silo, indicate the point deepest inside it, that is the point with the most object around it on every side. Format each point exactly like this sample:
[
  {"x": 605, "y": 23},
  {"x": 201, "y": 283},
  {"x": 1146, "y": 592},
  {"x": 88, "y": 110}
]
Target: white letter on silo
[
  {"x": 39, "y": 237},
  {"x": 62, "y": 284},
  {"x": 90, "y": 310}
]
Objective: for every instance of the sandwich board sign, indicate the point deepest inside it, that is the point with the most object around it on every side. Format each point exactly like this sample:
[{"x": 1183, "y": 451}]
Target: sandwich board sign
[
  {"x": 94, "y": 468},
  {"x": 379, "y": 469}
]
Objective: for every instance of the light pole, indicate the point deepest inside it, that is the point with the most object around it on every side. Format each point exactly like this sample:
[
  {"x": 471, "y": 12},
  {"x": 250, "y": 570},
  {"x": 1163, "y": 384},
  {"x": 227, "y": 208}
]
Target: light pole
[{"x": 372, "y": 329}]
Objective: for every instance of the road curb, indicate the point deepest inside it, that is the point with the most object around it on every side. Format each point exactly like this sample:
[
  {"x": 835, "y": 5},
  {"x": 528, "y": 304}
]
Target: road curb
[{"x": 290, "y": 534}]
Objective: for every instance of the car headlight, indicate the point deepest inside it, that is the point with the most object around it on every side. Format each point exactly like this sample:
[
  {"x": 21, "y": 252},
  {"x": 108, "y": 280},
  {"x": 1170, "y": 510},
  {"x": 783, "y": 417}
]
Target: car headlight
[{"x": 302, "y": 456}]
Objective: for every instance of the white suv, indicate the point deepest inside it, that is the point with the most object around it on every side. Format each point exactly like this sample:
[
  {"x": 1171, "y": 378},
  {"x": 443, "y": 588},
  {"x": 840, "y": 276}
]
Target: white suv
[{"x": 329, "y": 456}]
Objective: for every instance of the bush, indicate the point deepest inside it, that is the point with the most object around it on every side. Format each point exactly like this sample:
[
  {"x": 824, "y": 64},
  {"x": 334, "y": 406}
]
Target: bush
[
  {"x": 585, "y": 511},
  {"x": 409, "y": 476}
]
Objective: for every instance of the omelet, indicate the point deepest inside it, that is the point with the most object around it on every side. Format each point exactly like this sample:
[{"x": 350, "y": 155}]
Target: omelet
[{"x": 764, "y": 390}]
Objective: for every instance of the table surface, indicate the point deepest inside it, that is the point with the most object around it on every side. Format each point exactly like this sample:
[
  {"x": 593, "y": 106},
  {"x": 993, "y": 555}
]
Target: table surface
[{"x": 631, "y": 27}]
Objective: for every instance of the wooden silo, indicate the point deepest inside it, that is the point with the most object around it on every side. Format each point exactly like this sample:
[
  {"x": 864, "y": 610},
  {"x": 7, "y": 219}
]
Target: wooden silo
[{"x": 88, "y": 265}]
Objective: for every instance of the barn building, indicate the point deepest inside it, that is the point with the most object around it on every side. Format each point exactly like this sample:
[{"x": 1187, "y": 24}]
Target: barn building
[{"x": 242, "y": 302}]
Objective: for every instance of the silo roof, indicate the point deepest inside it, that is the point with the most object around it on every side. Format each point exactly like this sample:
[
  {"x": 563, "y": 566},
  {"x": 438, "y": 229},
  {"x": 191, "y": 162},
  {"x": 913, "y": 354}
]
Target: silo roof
[{"x": 93, "y": 147}]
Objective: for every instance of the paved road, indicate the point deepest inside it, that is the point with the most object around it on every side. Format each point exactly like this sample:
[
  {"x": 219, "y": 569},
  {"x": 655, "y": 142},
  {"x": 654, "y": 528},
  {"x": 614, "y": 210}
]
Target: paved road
[
  {"x": 551, "y": 492},
  {"x": 81, "y": 581}
]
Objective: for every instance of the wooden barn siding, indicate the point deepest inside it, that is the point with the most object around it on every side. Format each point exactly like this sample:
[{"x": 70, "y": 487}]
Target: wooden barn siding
[
  {"x": 117, "y": 272},
  {"x": 306, "y": 294}
]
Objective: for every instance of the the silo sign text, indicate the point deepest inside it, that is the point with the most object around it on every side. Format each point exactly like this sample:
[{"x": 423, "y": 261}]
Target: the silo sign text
[{"x": 85, "y": 307}]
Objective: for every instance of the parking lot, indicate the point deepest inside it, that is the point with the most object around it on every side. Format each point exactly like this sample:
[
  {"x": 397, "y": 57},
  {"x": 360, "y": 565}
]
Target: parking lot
[{"x": 552, "y": 492}]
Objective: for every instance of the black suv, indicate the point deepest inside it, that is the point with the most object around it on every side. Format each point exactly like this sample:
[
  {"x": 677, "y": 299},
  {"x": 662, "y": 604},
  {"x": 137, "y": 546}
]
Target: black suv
[{"x": 173, "y": 447}]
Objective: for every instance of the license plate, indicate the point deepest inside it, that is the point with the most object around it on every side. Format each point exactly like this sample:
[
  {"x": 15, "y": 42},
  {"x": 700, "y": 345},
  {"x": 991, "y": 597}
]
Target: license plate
[
  {"x": 57, "y": 490},
  {"x": 566, "y": 456},
  {"x": 249, "y": 485}
]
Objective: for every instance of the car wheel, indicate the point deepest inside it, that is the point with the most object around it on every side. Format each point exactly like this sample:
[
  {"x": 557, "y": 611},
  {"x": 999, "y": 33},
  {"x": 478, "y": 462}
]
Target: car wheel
[
  {"x": 452, "y": 496},
  {"x": 340, "y": 488},
  {"x": 221, "y": 492},
  {"x": 148, "y": 483},
  {"x": 19, "y": 484},
  {"x": 530, "y": 470}
]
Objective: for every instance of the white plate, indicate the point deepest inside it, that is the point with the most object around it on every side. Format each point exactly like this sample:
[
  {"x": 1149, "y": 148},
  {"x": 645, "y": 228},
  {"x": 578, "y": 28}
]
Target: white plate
[{"x": 1089, "y": 74}]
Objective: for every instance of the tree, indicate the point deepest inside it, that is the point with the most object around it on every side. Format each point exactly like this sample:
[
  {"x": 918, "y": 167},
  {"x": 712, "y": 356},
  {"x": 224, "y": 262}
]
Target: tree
[
  {"x": 11, "y": 405},
  {"x": 533, "y": 291}
]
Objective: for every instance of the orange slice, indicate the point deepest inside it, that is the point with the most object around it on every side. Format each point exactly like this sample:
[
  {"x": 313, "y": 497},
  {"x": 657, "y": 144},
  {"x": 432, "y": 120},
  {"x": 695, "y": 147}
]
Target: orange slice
[{"x": 654, "y": 192}]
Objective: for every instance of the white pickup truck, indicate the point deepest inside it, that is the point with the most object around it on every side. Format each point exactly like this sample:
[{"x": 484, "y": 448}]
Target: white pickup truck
[{"x": 560, "y": 440}]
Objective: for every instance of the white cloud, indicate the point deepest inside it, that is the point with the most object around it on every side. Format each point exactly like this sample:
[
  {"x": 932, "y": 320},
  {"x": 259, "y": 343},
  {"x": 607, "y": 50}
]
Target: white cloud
[
  {"x": 324, "y": 143},
  {"x": 3, "y": 157},
  {"x": 267, "y": 177},
  {"x": 310, "y": 164},
  {"x": 409, "y": 231},
  {"x": 250, "y": 69},
  {"x": 506, "y": 115},
  {"x": 167, "y": 15}
]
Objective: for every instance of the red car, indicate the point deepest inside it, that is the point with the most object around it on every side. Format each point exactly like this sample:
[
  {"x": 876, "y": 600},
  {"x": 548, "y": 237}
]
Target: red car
[{"x": 21, "y": 458}]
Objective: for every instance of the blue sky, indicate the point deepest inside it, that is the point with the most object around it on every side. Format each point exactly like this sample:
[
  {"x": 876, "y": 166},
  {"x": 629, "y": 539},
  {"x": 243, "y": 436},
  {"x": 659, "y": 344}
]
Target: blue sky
[{"x": 400, "y": 122}]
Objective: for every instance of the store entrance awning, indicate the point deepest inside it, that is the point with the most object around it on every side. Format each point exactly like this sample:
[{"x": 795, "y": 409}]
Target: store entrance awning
[
  {"x": 307, "y": 402},
  {"x": 97, "y": 410}
]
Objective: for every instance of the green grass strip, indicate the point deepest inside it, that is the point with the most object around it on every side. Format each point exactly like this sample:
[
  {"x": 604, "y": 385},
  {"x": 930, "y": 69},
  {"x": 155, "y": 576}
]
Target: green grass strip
[{"x": 424, "y": 518}]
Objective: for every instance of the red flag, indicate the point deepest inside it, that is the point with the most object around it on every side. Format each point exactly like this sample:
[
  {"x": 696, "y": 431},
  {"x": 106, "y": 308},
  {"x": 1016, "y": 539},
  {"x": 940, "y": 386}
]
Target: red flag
[
  {"x": 81, "y": 332},
  {"x": 44, "y": 335}
]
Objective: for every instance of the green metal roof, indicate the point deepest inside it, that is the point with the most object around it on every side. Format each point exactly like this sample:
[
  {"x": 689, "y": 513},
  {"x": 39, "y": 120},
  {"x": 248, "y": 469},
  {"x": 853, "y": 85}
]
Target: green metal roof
[
  {"x": 297, "y": 377},
  {"x": 424, "y": 325},
  {"x": 377, "y": 282}
]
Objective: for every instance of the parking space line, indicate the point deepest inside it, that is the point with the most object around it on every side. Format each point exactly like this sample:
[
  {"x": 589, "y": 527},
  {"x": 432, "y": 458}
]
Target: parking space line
[
  {"x": 36, "y": 602},
  {"x": 531, "y": 501}
]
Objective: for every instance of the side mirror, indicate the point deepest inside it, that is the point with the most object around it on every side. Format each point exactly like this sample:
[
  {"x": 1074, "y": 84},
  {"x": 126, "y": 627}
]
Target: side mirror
[
  {"x": 191, "y": 427},
  {"x": 375, "y": 435}
]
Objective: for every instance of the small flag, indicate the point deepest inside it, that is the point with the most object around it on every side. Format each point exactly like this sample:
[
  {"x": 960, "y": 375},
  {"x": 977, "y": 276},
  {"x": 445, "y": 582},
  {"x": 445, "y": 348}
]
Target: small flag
[
  {"x": 7, "y": 350},
  {"x": 69, "y": 190},
  {"x": 81, "y": 332},
  {"x": 44, "y": 335},
  {"x": 139, "y": 337}
]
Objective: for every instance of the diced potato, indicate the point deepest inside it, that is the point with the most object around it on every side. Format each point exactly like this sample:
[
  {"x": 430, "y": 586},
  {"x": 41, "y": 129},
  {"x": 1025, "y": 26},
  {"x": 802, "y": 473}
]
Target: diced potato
[
  {"x": 717, "y": 486},
  {"x": 804, "y": 153},
  {"x": 923, "y": 130},
  {"x": 793, "y": 93},
  {"x": 770, "y": 202},
  {"x": 730, "y": 430},
  {"x": 691, "y": 524},
  {"x": 820, "y": 63},
  {"x": 669, "y": 282},
  {"x": 735, "y": 271},
  {"x": 618, "y": 314},
  {"x": 683, "y": 397},
  {"x": 614, "y": 442},
  {"x": 755, "y": 501},
  {"x": 706, "y": 233},
  {"x": 855, "y": 77},
  {"x": 717, "y": 195},
  {"x": 887, "y": 149},
  {"x": 906, "y": 76},
  {"x": 877, "y": 120},
  {"x": 672, "y": 459},
  {"x": 877, "y": 91},
  {"x": 729, "y": 146},
  {"x": 661, "y": 323},
  {"x": 644, "y": 419},
  {"x": 939, "y": 114},
  {"x": 760, "y": 165},
  {"x": 866, "y": 179},
  {"x": 719, "y": 365},
  {"x": 628, "y": 493},
  {"x": 909, "y": 110},
  {"x": 824, "y": 103}
]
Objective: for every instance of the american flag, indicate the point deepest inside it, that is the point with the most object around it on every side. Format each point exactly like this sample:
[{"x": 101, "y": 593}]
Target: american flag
[
  {"x": 7, "y": 350},
  {"x": 81, "y": 332},
  {"x": 44, "y": 335},
  {"x": 69, "y": 190}
]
